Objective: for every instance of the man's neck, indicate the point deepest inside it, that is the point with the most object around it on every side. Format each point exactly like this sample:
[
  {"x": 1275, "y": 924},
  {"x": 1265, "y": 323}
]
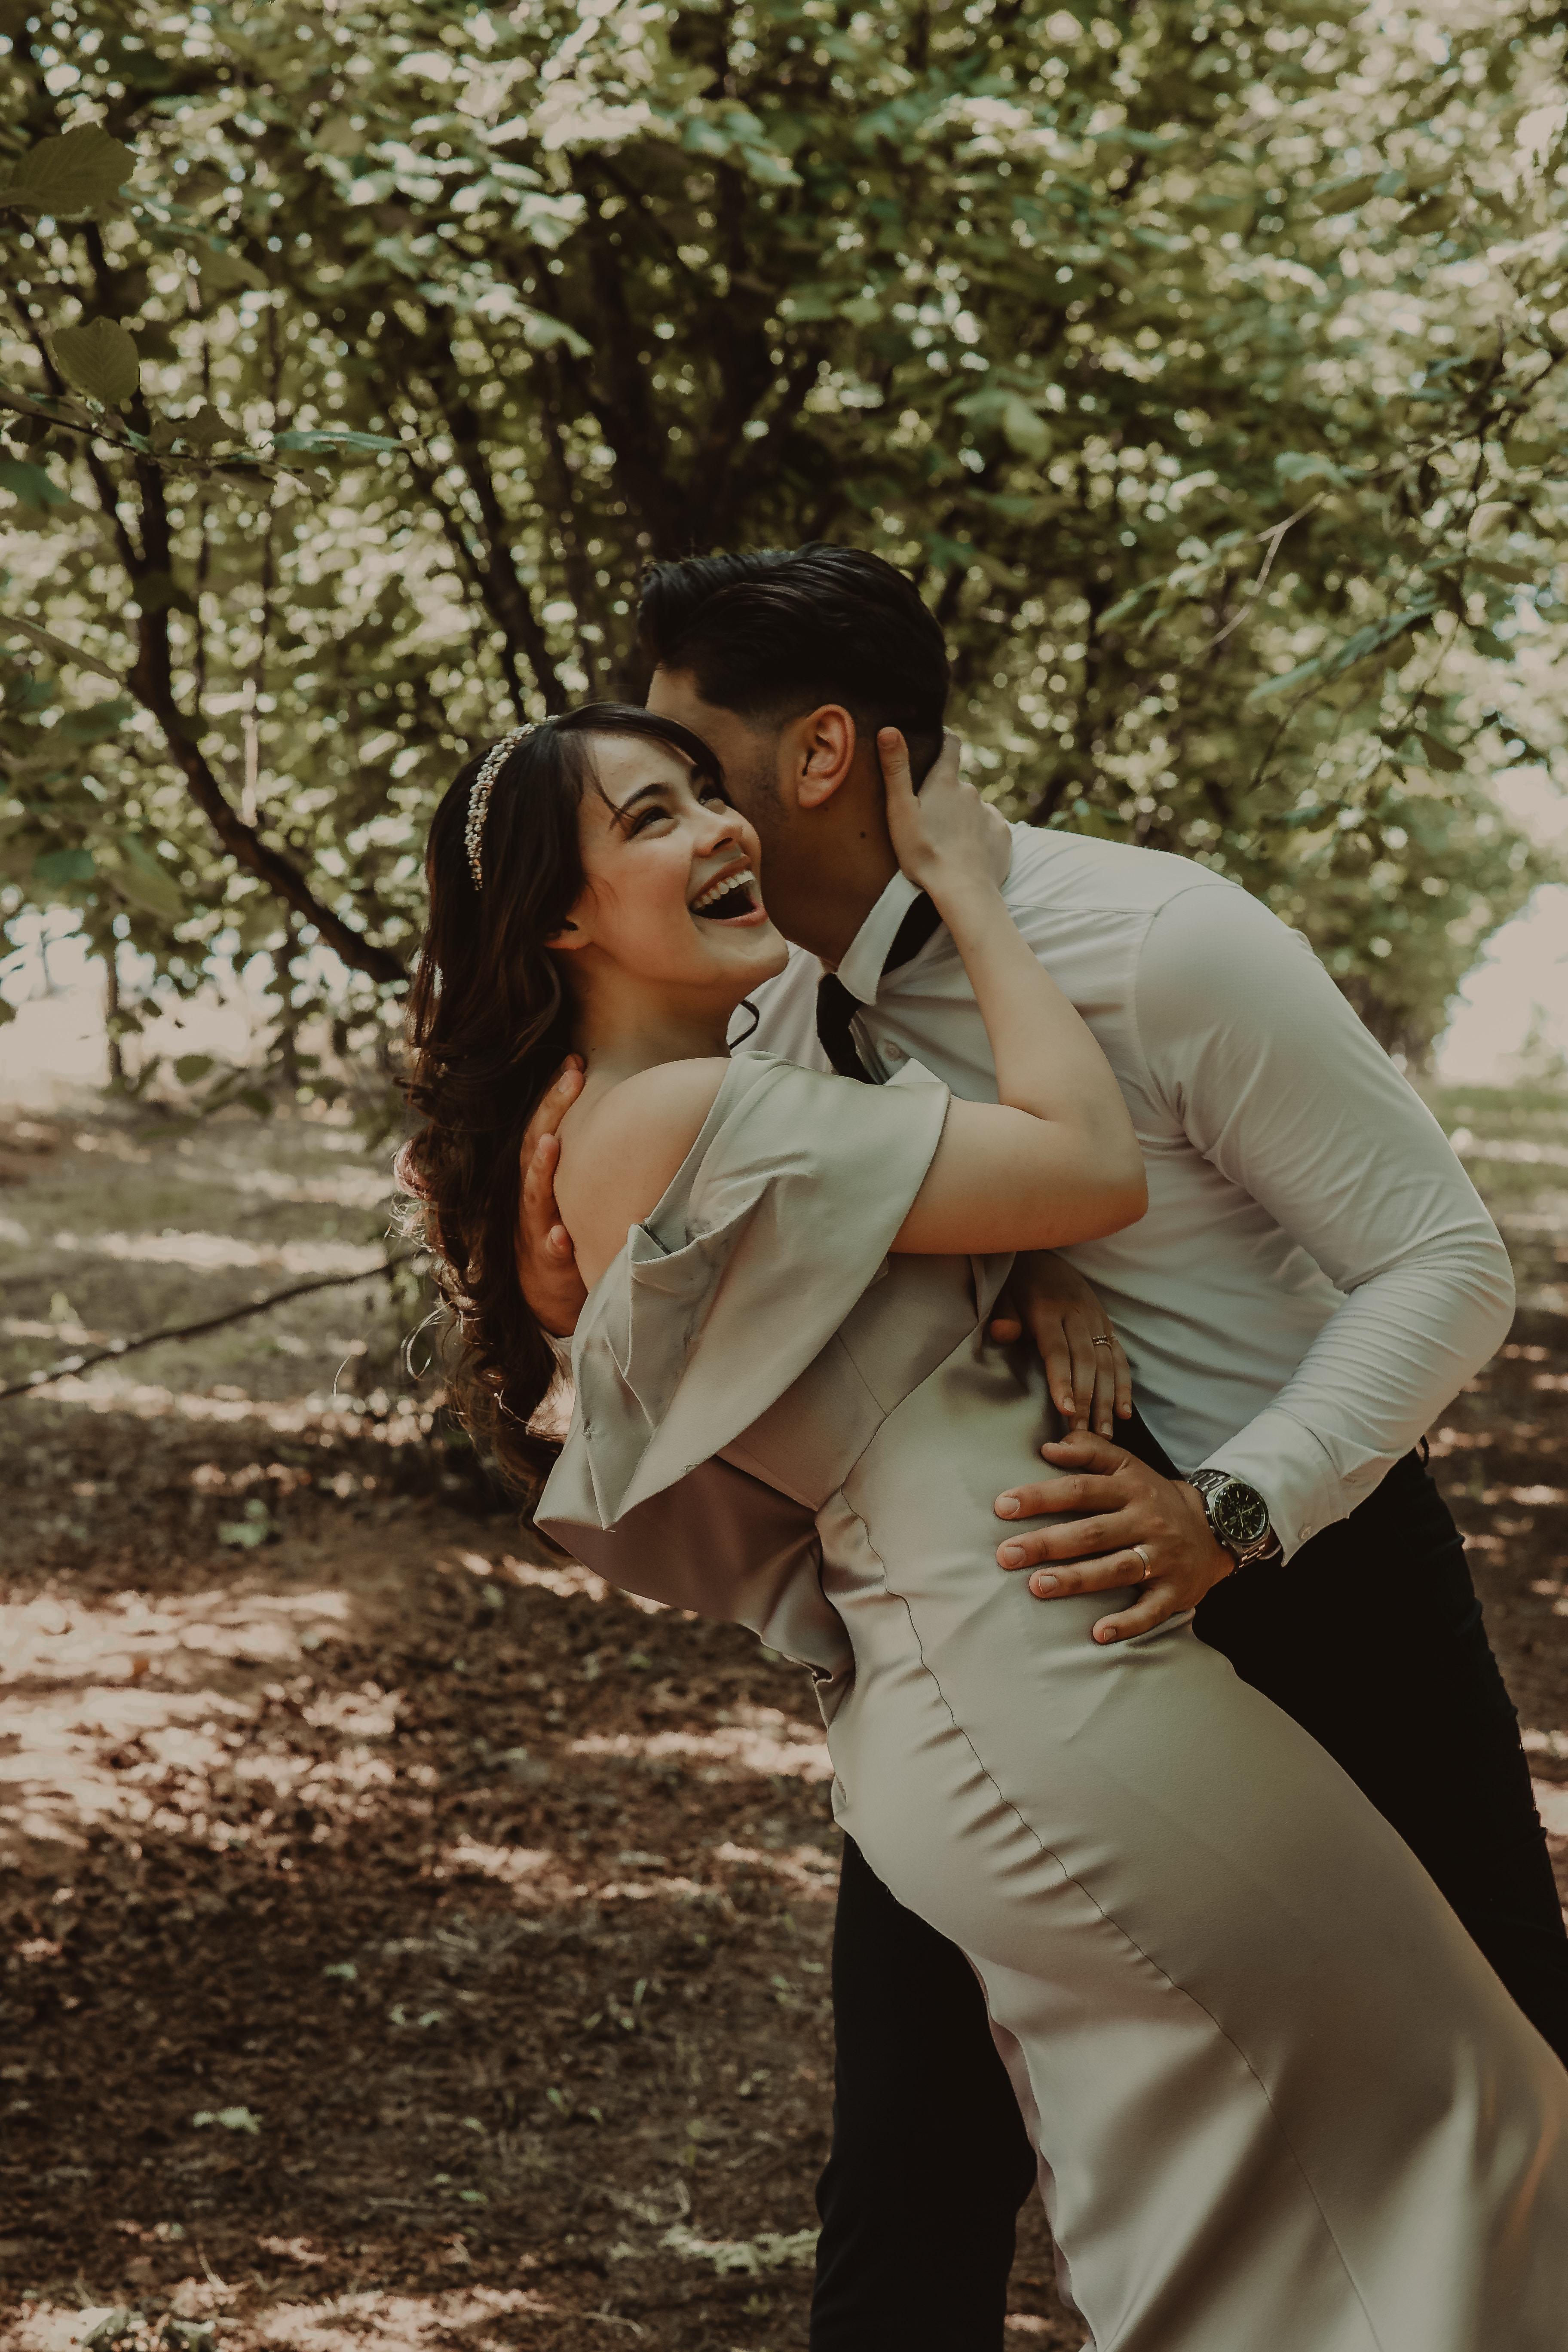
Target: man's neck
[{"x": 822, "y": 905}]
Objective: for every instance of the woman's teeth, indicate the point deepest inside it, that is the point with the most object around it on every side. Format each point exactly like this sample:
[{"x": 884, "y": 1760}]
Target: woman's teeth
[{"x": 729, "y": 895}]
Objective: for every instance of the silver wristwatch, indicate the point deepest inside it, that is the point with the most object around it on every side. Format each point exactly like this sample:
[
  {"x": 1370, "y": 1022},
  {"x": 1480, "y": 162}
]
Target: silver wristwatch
[{"x": 1237, "y": 1515}]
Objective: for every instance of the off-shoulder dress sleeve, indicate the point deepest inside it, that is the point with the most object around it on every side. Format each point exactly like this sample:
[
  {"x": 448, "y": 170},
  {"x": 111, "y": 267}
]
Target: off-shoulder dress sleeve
[{"x": 778, "y": 1221}]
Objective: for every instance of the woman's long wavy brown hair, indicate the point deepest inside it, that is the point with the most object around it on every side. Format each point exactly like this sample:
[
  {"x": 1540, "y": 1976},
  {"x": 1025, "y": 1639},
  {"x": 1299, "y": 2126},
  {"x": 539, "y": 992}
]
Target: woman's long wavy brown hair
[{"x": 489, "y": 1020}]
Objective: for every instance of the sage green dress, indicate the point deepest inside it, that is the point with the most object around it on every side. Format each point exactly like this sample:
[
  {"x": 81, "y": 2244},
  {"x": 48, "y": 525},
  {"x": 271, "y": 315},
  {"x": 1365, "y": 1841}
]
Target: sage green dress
[{"x": 1280, "y": 2103}]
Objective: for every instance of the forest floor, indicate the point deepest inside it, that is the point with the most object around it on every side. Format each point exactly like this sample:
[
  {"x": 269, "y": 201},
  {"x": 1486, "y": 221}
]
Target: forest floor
[{"x": 409, "y": 1941}]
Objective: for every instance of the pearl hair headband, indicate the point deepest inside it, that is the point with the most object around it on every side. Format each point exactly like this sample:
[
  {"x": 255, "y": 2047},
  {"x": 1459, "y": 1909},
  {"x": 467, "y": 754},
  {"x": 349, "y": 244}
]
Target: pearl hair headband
[{"x": 479, "y": 792}]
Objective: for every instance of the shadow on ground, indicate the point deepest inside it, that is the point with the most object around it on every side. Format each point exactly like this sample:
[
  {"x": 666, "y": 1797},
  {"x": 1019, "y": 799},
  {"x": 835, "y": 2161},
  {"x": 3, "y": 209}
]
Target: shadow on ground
[{"x": 412, "y": 1942}]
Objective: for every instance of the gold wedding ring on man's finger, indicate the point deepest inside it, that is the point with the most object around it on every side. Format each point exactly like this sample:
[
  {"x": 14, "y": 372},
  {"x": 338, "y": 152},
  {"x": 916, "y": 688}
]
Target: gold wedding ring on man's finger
[
  {"x": 1103, "y": 1340},
  {"x": 1148, "y": 1563}
]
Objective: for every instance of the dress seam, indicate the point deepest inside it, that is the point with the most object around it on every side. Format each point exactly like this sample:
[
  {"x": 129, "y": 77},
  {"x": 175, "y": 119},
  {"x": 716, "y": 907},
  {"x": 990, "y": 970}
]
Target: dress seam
[{"x": 1051, "y": 1855}]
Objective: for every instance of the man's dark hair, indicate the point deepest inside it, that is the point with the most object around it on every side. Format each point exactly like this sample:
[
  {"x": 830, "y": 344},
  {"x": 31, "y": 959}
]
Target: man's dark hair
[{"x": 772, "y": 635}]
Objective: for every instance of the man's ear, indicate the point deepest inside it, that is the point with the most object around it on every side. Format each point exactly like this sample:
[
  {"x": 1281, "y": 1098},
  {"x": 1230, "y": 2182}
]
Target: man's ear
[{"x": 822, "y": 753}]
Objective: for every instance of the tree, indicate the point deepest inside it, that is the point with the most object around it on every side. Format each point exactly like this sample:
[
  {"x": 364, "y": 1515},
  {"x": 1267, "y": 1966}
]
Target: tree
[{"x": 1202, "y": 361}]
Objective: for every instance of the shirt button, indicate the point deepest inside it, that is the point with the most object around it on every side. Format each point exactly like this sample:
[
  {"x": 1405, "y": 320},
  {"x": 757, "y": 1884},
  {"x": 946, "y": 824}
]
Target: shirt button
[
  {"x": 1305, "y": 1533},
  {"x": 893, "y": 1052}
]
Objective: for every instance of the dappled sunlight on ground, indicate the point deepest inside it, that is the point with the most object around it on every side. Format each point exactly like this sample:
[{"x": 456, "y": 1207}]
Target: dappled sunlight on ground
[
  {"x": 414, "y": 1940},
  {"x": 773, "y": 1743},
  {"x": 212, "y": 1253},
  {"x": 399, "y": 2323},
  {"x": 410, "y": 1931}
]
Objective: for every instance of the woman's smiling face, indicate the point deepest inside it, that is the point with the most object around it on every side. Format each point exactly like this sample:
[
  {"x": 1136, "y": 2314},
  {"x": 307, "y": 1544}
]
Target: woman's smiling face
[{"x": 671, "y": 893}]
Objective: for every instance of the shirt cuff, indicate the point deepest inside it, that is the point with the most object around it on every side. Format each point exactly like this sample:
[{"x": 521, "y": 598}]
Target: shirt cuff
[{"x": 1289, "y": 1466}]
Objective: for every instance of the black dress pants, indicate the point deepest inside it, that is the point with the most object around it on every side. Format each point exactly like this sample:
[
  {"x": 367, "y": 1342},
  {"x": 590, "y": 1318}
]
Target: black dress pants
[{"x": 1372, "y": 1639}]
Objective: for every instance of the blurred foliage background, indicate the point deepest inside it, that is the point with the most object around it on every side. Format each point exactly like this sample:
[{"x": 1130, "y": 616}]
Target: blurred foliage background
[{"x": 1203, "y": 359}]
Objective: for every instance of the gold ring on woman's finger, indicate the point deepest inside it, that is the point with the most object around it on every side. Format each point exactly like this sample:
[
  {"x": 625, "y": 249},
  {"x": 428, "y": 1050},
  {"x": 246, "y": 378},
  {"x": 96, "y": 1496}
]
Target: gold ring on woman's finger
[
  {"x": 1103, "y": 1339},
  {"x": 1148, "y": 1563}
]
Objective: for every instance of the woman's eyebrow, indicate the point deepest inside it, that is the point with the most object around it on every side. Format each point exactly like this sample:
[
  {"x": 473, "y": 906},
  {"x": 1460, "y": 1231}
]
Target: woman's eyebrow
[{"x": 643, "y": 793}]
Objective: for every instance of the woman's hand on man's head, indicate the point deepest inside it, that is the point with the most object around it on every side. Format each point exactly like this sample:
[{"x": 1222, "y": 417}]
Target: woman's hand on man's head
[
  {"x": 945, "y": 833},
  {"x": 546, "y": 1262}
]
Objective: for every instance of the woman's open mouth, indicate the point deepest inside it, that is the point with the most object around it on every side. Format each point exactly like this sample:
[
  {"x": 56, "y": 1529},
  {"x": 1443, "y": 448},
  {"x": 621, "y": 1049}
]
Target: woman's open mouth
[{"x": 729, "y": 899}]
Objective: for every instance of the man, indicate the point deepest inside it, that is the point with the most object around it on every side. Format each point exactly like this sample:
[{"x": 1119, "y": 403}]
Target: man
[{"x": 1313, "y": 1281}]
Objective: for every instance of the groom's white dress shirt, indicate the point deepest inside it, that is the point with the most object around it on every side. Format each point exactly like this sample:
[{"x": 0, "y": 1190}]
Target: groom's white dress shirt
[{"x": 1315, "y": 1277}]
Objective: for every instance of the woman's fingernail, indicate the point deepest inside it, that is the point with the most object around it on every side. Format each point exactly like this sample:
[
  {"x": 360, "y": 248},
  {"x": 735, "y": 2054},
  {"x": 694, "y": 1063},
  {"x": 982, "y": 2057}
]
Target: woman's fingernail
[
  {"x": 1012, "y": 1555},
  {"x": 1041, "y": 1585},
  {"x": 1008, "y": 1507}
]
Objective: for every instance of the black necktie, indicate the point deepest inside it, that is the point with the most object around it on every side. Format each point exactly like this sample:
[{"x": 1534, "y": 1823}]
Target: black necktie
[{"x": 836, "y": 1008}]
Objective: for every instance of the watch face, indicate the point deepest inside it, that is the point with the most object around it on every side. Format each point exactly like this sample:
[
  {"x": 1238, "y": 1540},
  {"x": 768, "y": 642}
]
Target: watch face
[{"x": 1240, "y": 1515}]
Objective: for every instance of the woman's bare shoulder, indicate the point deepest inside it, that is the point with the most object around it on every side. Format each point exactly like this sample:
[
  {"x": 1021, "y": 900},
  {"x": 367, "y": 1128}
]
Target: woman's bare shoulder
[
  {"x": 655, "y": 1109},
  {"x": 621, "y": 1150}
]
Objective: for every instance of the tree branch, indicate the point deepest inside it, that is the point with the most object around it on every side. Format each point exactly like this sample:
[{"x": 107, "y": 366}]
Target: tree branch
[
  {"x": 151, "y": 683},
  {"x": 622, "y": 406},
  {"x": 506, "y": 598},
  {"x": 117, "y": 1348}
]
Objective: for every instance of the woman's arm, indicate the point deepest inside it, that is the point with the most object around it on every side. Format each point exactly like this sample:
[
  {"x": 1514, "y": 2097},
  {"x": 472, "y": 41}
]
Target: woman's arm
[{"x": 1055, "y": 1158}]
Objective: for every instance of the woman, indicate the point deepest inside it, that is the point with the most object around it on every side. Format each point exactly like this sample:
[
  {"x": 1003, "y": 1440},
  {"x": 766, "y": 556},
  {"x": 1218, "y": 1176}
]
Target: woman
[{"x": 1278, "y": 2097}]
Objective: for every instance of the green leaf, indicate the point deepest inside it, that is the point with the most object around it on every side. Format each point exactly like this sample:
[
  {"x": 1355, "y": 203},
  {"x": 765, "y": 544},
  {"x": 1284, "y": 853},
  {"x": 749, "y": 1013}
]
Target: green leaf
[
  {"x": 257, "y": 1524},
  {"x": 1517, "y": 575},
  {"x": 61, "y": 867},
  {"x": 1128, "y": 604},
  {"x": 31, "y": 484},
  {"x": 334, "y": 441},
  {"x": 810, "y": 303},
  {"x": 142, "y": 878},
  {"x": 1433, "y": 212},
  {"x": 81, "y": 171},
  {"x": 769, "y": 169},
  {"x": 95, "y": 722},
  {"x": 1305, "y": 464},
  {"x": 702, "y": 138},
  {"x": 1345, "y": 195},
  {"x": 1024, "y": 429},
  {"x": 113, "y": 2329},
  {"x": 189, "y": 2334},
  {"x": 335, "y": 135},
  {"x": 101, "y": 360},
  {"x": 224, "y": 272},
  {"x": 542, "y": 333},
  {"x": 1282, "y": 685},
  {"x": 1439, "y": 755},
  {"x": 207, "y": 428}
]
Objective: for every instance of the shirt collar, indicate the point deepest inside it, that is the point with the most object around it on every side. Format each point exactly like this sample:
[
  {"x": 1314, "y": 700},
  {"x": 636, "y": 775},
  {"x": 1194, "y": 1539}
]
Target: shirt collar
[{"x": 861, "y": 969}]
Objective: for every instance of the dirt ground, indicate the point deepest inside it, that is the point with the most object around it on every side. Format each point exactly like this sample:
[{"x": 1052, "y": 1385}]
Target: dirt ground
[{"x": 410, "y": 1942}]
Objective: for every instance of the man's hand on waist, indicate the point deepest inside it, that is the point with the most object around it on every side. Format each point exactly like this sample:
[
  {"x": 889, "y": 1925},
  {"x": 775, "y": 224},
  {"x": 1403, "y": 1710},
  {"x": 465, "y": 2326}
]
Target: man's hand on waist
[
  {"x": 546, "y": 1262},
  {"x": 1133, "y": 1528}
]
